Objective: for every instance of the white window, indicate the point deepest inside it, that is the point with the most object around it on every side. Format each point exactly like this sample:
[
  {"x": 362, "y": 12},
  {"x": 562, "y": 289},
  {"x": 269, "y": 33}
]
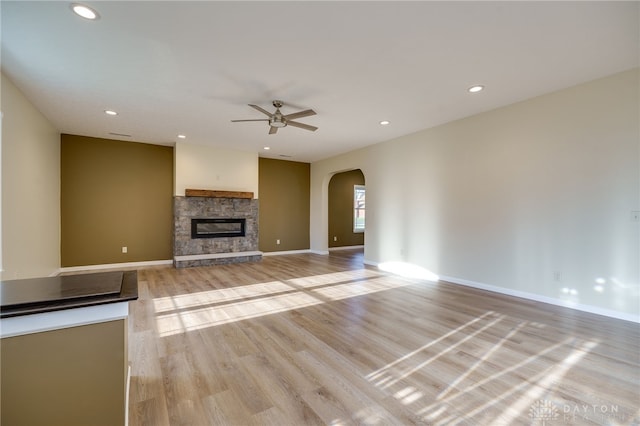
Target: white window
[{"x": 358, "y": 208}]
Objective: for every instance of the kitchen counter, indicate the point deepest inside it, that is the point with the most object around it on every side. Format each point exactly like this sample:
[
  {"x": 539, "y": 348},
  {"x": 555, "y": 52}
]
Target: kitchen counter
[
  {"x": 64, "y": 349},
  {"x": 36, "y": 295},
  {"x": 41, "y": 304}
]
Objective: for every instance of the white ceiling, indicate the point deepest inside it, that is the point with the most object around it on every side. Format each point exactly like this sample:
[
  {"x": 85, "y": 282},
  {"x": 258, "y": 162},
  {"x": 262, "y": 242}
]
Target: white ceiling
[{"x": 192, "y": 67}]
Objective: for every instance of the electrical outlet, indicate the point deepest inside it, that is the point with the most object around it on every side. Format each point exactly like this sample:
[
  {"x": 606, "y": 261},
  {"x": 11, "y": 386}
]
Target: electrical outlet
[
  {"x": 124, "y": 249},
  {"x": 557, "y": 276},
  {"x": 335, "y": 238},
  {"x": 278, "y": 242}
]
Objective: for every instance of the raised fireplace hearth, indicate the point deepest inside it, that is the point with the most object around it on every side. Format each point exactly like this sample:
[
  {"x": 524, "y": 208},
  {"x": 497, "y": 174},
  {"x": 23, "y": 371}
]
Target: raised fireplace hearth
[{"x": 215, "y": 227}]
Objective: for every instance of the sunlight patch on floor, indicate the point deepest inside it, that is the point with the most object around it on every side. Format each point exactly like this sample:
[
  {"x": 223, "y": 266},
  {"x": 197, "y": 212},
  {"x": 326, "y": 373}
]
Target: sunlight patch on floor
[
  {"x": 333, "y": 278},
  {"x": 482, "y": 359},
  {"x": 494, "y": 377},
  {"x": 188, "y": 312},
  {"x": 408, "y": 270},
  {"x": 547, "y": 381},
  {"x": 373, "y": 415},
  {"x": 458, "y": 403},
  {"x": 343, "y": 291},
  {"x": 189, "y": 300},
  {"x": 408, "y": 395},
  {"x": 531, "y": 389},
  {"x": 409, "y": 371},
  {"x": 381, "y": 371},
  {"x": 195, "y": 319}
]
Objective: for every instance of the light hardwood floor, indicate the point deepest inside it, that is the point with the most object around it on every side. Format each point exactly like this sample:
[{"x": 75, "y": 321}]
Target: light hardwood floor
[{"x": 307, "y": 339}]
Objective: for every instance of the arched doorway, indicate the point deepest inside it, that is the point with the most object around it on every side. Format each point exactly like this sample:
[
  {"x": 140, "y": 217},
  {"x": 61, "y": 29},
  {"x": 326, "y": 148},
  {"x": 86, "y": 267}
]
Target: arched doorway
[{"x": 346, "y": 210}]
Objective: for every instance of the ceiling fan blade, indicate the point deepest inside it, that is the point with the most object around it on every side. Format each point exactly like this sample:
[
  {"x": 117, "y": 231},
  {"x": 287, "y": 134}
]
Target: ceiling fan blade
[
  {"x": 301, "y": 125},
  {"x": 261, "y": 119},
  {"x": 305, "y": 113},
  {"x": 262, "y": 110},
  {"x": 272, "y": 130}
]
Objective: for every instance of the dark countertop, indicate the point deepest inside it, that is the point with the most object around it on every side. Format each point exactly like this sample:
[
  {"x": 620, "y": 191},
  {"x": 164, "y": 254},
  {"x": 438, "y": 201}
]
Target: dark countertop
[{"x": 40, "y": 295}]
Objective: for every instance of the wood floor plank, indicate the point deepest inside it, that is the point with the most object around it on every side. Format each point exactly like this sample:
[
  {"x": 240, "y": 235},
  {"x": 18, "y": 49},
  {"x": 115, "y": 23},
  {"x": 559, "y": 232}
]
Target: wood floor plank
[
  {"x": 282, "y": 393},
  {"x": 307, "y": 339},
  {"x": 149, "y": 412}
]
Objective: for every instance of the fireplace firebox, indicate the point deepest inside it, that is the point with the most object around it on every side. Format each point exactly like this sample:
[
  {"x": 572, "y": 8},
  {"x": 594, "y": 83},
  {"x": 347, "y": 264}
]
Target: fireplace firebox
[{"x": 217, "y": 228}]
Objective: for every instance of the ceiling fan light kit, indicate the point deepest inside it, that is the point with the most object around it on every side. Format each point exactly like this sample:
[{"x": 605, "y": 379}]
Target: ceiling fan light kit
[{"x": 277, "y": 120}]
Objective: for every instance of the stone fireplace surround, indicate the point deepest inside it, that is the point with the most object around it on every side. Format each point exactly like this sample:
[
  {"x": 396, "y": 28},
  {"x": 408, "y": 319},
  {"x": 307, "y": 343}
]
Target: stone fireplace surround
[{"x": 189, "y": 252}]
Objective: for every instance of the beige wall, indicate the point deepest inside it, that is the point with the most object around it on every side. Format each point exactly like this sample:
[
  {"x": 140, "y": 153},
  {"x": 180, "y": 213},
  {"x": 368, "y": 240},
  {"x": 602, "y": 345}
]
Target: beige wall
[
  {"x": 341, "y": 209},
  {"x": 115, "y": 194},
  {"x": 284, "y": 205},
  {"x": 30, "y": 171},
  {"x": 207, "y": 167},
  {"x": 511, "y": 197}
]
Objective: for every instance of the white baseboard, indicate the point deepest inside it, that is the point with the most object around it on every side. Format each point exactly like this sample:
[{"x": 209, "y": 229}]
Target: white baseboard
[
  {"x": 280, "y": 253},
  {"x": 535, "y": 297},
  {"x": 345, "y": 248},
  {"x": 217, "y": 255},
  {"x": 112, "y": 266},
  {"x": 544, "y": 299},
  {"x": 321, "y": 252}
]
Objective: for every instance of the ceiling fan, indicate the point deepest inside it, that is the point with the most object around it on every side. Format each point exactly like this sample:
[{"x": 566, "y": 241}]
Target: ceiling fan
[{"x": 277, "y": 119}]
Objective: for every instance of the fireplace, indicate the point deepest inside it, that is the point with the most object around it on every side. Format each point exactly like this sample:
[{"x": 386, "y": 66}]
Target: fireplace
[{"x": 217, "y": 228}]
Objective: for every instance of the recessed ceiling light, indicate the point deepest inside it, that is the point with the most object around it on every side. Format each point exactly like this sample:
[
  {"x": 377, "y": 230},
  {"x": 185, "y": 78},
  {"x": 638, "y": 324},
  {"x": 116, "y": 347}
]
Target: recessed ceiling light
[
  {"x": 110, "y": 112},
  {"x": 84, "y": 11},
  {"x": 384, "y": 122},
  {"x": 475, "y": 89},
  {"x": 182, "y": 136},
  {"x": 267, "y": 148}
]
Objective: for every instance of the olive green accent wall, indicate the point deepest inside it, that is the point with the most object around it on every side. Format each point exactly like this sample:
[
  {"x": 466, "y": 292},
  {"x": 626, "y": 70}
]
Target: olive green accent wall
[
  {"x": 341, "y": 209},
  {"x": 115, "y": 194},
  {"x": 284, "y": 205}
]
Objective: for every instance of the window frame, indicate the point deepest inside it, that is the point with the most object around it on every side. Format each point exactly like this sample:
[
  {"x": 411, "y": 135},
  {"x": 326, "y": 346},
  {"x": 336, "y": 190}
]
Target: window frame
[{"x": 356, "y": 210}]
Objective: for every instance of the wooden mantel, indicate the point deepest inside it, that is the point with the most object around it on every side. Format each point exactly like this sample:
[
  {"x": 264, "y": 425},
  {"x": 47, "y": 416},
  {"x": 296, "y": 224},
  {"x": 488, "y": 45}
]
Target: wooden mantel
[{"x": 217, "y": 194}]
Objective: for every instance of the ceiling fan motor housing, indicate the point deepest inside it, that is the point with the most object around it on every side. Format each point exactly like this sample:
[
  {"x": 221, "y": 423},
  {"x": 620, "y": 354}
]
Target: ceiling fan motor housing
[{"x": 277, "y": 119}]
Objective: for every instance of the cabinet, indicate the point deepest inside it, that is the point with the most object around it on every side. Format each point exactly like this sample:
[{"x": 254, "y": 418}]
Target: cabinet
[{"x": 65, "y": 362}]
